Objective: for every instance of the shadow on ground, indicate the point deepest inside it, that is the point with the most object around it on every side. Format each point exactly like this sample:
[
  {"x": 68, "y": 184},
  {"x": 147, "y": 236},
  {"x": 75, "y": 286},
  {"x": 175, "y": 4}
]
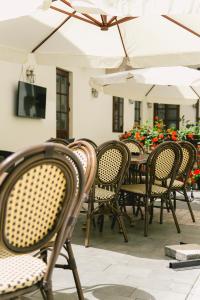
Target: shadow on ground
[
  {"x": 99, "y": 292},
  {"x": 138, "y": 245}
]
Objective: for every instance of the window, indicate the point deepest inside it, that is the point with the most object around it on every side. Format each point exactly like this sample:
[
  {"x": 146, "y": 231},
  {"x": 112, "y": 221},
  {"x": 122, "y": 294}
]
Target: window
[
  {"x": 62, "y": 103},
  {"x": 198, "y": 111},
  {"x": 118, "y": 114},
  {"x": 137, "y": 113},
  {"x": 168, "y": 113}
]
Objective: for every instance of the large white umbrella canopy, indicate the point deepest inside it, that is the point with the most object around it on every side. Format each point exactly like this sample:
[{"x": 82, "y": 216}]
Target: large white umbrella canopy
[
  {"x": 137, "y": 7},
  {"x": 170, "y": 85},
  {"x": 61, "y": 35},
  {"x": 10, "y": 10}
]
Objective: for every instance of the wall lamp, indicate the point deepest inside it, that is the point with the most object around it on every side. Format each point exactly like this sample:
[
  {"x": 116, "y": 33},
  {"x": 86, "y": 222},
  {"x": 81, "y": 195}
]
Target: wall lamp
[
  {"x": 94, "y": 93},
  {"x": 30, "y": 75}
]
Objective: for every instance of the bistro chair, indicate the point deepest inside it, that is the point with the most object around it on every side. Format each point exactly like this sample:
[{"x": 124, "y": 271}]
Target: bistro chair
[
  {"x": 59, "y": 141},
  {"x": 37, "y": 201},
  {"x": 87, "y": 157},
  {"x": 162, "y": 164},
  {"x": 180, "y": 184},
  {"x": 89, "y": 141},
  {"x": 134, "y": 146},
  {"x": 113, "y": 159}
]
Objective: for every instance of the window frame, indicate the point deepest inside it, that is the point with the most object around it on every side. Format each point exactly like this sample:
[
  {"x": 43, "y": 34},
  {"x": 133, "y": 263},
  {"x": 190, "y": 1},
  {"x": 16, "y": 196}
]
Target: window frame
[
  {"x": 167, "y": 108},
  {"x": 118, "y": 114}
]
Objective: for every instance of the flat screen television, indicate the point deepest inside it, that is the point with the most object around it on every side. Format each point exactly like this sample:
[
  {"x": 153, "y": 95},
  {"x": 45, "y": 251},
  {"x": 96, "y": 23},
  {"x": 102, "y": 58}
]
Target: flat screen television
[{"x": 31, "y": 100}]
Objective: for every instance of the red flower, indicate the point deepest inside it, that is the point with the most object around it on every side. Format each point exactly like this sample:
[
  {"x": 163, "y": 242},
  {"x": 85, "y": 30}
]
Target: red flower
[
  {"x": 174, "y": 138},
  {"x": 190, "y": 136},
  {"x": 196, "y": 172},
  {"x": 161, "y": 136},
  {"x": 155, "y": 139},
  {"x": 156, "y": 118},
  {"x": 137, "y": 135}
]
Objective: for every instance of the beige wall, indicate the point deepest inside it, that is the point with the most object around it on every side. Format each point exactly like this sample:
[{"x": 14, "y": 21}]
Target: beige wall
[
  {"x": 89, "y": 117},
  {"x": 188, "y": 111},
  {"x": 17, "y": 132}
]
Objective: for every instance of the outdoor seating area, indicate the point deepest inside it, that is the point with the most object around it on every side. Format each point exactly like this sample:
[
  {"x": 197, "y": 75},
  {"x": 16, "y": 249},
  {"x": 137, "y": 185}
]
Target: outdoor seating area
[{"x": 100, "y": 150}]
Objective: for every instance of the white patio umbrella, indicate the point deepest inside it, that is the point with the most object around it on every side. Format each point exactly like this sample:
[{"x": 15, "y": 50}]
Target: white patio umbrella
[
  {"x": 170, "y": 85},
  {"x": 62, "y": 34},
  {"x": 14, "y": 9},
  {"x": 137, "y": 7}
]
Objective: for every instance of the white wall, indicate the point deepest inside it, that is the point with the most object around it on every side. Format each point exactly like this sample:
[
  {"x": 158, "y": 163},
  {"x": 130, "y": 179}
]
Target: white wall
[
  {"x": 188, "y": 111},
  {"x": 89, "y": 117},
  {"x": 17, "y": 132}
]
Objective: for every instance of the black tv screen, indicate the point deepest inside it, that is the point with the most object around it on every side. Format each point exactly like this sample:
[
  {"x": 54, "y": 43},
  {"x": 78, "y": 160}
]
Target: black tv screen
[{"x": 31, "y": 100}]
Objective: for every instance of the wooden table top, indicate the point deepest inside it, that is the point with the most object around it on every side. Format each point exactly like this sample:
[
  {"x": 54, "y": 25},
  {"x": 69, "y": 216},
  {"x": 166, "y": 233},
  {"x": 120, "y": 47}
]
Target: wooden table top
[{"x": 139, "y": 159}]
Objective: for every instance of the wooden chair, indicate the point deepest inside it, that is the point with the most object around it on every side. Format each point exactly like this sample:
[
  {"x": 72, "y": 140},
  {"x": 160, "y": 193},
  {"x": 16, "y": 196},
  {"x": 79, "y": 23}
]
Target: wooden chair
[
  {"x": 180, "y": 184},
  {"x": 37, "y": 201},
  {"x": 59, "y": 141},
  {"x": 89, "y": 141},
  {"x": 162, "y": 164},
  {"x": 134, "y": 146},
  {"x": 113, "y": 159},
  {"x": 87, "y": 157}
]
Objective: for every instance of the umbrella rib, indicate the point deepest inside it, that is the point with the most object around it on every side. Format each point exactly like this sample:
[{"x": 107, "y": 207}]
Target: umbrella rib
[
  {"x": 121, "y": 21},
  {"x": 72, "y": 15},
  {"x": 122, "y": 41},
  {"x": 149, "y": 91},
  {"x": 67, "y": 3},
  {"x": 181, "y": 25},
  {"x": 56, "y": 29},
  {"x": 195, "y": 91},
  {"x": 92, "y": 19},
  {"x": 111, "y": 20}
]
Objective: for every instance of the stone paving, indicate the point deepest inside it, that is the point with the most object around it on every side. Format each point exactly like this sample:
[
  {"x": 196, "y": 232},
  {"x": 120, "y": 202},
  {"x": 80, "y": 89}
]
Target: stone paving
[{"x": 113, "y": 270}]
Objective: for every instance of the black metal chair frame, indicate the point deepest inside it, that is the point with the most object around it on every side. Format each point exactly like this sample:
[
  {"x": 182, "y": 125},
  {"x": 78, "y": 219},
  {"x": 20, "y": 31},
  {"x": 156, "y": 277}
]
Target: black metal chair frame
[
  {"x": 151, "y": 178},
  {"x": 111, "y": 206}
]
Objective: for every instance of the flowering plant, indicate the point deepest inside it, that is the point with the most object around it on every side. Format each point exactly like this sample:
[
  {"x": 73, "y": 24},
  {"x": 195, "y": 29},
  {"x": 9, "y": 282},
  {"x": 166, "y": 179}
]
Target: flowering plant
[
  {"x": 195, "y": 175},
  {"x": 152, "y": 135}
]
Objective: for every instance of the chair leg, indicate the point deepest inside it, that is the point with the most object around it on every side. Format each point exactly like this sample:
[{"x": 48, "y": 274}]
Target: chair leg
[
  {"x": 101, "y": 223},
  {"x": 151, "y": 212},
  {"x": 174, "y": 215},
  {"x": 189, "y": 205},
  {"x": 146, "y": 216},
  {"x": 161, "y": 211},
  {"x": 117, "y": 214},
  {"x": 49, "y": 294},
  {"x": 174, "y": 197},
  {"x": 88, "y": 224},
  {"x": 46, "y": 292},
  {"x": 73, "y": 267}
]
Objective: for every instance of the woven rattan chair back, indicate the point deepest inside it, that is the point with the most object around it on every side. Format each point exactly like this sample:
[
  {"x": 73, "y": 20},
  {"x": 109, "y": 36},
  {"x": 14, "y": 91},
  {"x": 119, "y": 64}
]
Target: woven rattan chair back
[
  {"x": 134, "y": 146},
  {"x": 89, "y": 141},
  {"x": 113, "y": 160},
  {"x": 37, "y": 198},
  {"x": 163, "y": 163},
  {"x": 188, "y": 160},
  {"x": 58, "y": 141},
  {"x": 87, "y": 156}
]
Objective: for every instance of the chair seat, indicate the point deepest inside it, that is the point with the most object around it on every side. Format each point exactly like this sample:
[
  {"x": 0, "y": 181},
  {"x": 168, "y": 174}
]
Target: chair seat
[
  {"x": 177, "y": 184},
  {"x": 19, "y": 272},
  {"x": 141, "y": 189},
  {"x": 4, "y": 252},
  {"x": 103, "y": 194}
]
